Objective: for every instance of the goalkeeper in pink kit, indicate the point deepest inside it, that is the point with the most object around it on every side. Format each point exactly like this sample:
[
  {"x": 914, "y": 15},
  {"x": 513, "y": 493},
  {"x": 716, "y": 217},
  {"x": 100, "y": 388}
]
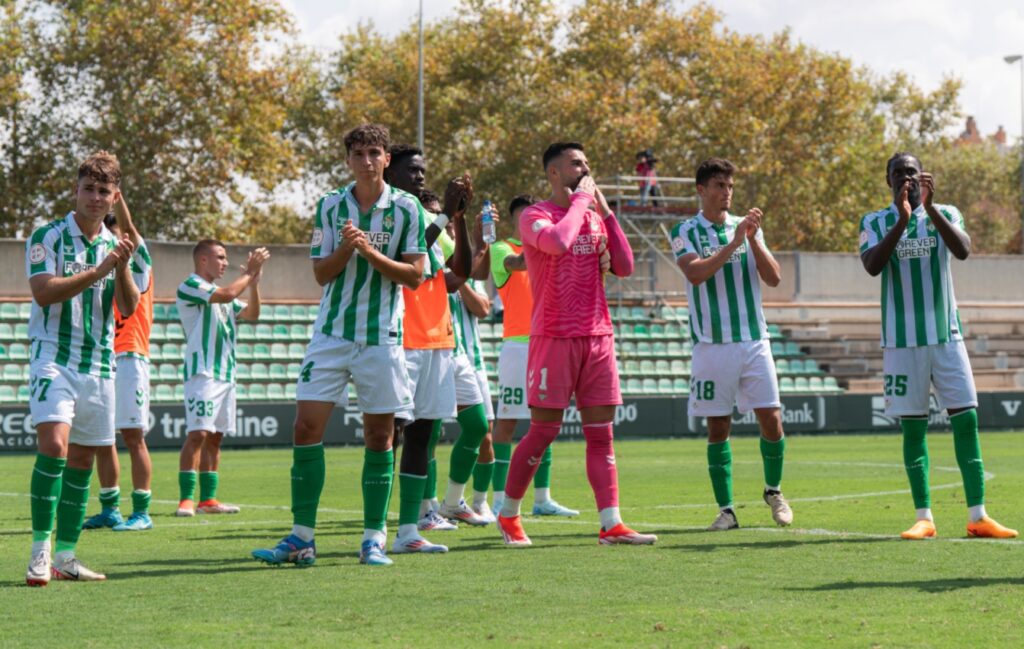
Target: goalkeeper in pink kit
[{"x": 568, "y": 248}]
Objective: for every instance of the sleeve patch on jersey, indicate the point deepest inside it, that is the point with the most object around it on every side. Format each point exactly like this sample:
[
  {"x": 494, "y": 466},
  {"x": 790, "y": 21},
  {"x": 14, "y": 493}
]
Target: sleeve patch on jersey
[
  {"x": 539, "y": 225},
  {"x": 678, "y": 244},
  {"x": 863, "y": 237},
  {"x": 318, "y": 236},
  {"x": 36, "y": 253}
]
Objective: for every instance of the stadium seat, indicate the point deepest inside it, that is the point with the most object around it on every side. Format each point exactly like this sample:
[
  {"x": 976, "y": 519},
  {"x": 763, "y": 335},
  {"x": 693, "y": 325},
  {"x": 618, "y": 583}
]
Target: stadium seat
[
  {"x": 164, "y": 393},
  {"x": 486, "y": 330},
  {"x": 673, "y": 331},
  {"x": 179, "y": 392},
  {"x": 634, "y": 386},
  {"x": 312, "y": 311},
  {"x": 24, "y": 393},
  {"x": 487, "y": 349},
  {"x": 665, "y": 386},
  {"x": 638, "y": 314},
  {"x": 662, "y": 367},
  {"x": 18, "y": 352},
  {"x": 650, "y": 386},
  {"x": 261, "y": 351},
  {"x": 830, "y": 384},
  {"x": 260, "y": 372},
  {"x": 292, "y": 371},
  {"x": 641, "y": 331},
  {"x": 296, "y": 350},
  {"x": 792, "y": 349},
  {"x": 657, "y": 330},
  {"x": 647, "y": 367},
  {"x": 298, "y": 332},
  {"x": 811, "y": 366},
  {"x": 796, "y": 366},
  {"x": 778, "y": 349},
  {"x": 632, "y": 367},
  {"x": 499, "y": 330},
  {"x": 774, "y": 331},
  {"x": 275, "y": 392},
  {"x": 168, "y": 372},
  {"x": 675, "y": 349},
  {"x": 679, "y": 368},
  {"x": 175, "y": 332},
  {"x": 781, "y": 366},
  {"x": 3, "y": 352},
  {"x": 172, "y": 351},
  {"x": 800, "y": 384},
  {"x": 289, "y": 391},
  {"x": 13, "y": 372},
  {"x": 263, "y": 332},
  {"x": 172, "y": 313},
  {"x": 299, "y": 313},
  {"x": 8, "y": 394},
  {"x": 282, "y": 312},
  {"x": 643, "y": 348},
  {"x": 279, "y": 351},
  {"x": 24, "y": 310},
  {"x": 242, "y": 372},
  {"x": 9, "y": 311},
  {"x": 6, "y": 331},
  {"x": 627, "y": 348},
  {"x": 278, "y": 372},
  {"x": 157, "y": 333},
  {"x": 659, "y": 349},
  {"x": 159, "y": 311},
  {"x": 241, "y": 392},
  {"x": 680, "y": 386},
  {"x": 21, "y": 331},
  {"x": 257, "y": 392},
  {"x": 816, "y": 384},
  {"x": 154, "y": 352},
  {"x": 786, "y": 384},
  {"x": 281, "y": 332},
  {"x": 246, "y": 331},
  {"x": 243, "y": 351}
]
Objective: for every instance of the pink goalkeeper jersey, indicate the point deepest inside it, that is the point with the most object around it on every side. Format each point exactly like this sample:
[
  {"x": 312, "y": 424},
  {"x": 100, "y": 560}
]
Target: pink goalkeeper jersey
[{"x": 565, "y": 269}]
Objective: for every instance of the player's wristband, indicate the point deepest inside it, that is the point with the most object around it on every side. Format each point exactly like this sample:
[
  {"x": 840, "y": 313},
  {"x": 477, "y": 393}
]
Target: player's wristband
[{"x": 441, "y": 221}]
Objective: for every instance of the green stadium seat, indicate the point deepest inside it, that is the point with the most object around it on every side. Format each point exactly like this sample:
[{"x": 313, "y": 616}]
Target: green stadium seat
[
  {"x": 632, "y": 367},
  {"x": 275, "y": 392},
  {"x": 3, "y": 352},
  {"x": 154, "y": 352},
  {"x": 774, "y": 331},
  {"x": 8, "y": 394},
  {"x": 778, "y": 349},
  {"x": 296, "y": 351},
  {"x": 278, "y": 372},
  {"x": 6, "y": 331},
  {"x": 292, "y": 370},
  {"x": 21, "y": 331},
  {"x": 499, "y": 330},
  {"x": 172, "y": 352},
  {"x": 792, "y": 349},
  {"x": 650, "y": 386},
  {"x": 641, "y": 331},
  {"x": 486, "y": 330},
  {"x": 675, "y": 349},
  {"x": 179, "y": 392},
  {"x": 679, "y": 367},
  {"x": 634, "y": 386},
  {"x": 312, "y": 311},
  {"x": 490, "y": 368},
  {"x": 24, "y": 393},
  {"x": 264, "y": 332},
  {"x": 638, "y": 314},
  {"x": 647, "y": 367},
  {"x": 659, "y": 349},
  {"x": 243, "y": 351},
  {"x": 662, "y": 367},
  {"x": 816, "y": 384},
  {"x": 279, "y": 351},
  {"x": 246, "y": 331},
  {"x": 172, "y": 313},
  {"x": 657, "y": 330},
  {"x": 261, "y": 351},
  {"x": 242, "y": 372},
  {"x": 14, "y": 372},
  {"x": 280, "y": 332},
  {"x": 800, "y": 384},
  {"x": 830, "y": 384},
  {"x": 811, "y": 366},
  {"x": 299, "y": 313},
  {"x": 781, "y": 366},
  {"x": 175, "y": 332},
  {"x": 282, "y": 312},
  {"x": 673, "y": 331},
  {"x": 18, "y": 352},
  {"x": 9, "y": 311},
  {"x": 24, "y": 310},
  {"x": 665, "y": 386},
  {"x": 259, "y": 371},
  {"x": 680, "y": 386},
  {"x": 289, "y": 391},
  {"x": 643, "y": 348},
  {"x": 299, "y": 332},
  {"x": 241, "y": 392},
  {"x": 159, "y": 311},
  {"x": 168, "y": 372},
  {"x": 157, "y": 333},
  {"x": 257, "y": 392},
  {"x": 164, "y": 393},
  {"x": 786, "y": 384},
  {"x": 627, "y": 348}
]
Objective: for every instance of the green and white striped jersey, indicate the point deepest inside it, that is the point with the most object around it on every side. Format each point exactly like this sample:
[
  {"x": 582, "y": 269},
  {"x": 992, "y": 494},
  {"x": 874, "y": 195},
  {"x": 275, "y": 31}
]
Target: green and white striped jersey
[
  {"x": 360, "y": 304},
  {"x": 77, "y": 333},
  {"x": 727, "y": 307},
  {"x": 210, "y": 330},
  {"x": 918, "y": 305},
  {"x": 466, "y": 326}
]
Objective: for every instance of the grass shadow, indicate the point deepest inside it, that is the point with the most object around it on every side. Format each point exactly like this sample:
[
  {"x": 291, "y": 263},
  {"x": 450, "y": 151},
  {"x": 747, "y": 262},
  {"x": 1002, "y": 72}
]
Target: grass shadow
[{"x": 923, "y": 585}]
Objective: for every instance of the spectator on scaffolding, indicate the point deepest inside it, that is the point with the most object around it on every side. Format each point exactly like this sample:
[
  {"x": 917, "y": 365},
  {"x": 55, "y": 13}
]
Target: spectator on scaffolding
[{"x": 645, "y": 168}]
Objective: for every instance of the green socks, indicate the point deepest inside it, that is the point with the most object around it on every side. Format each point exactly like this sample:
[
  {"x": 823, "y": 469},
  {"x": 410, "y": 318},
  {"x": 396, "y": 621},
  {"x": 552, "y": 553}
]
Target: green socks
[
  {"x": 308, "y": 472},
  {"x": 772, "y": 454},
  {"x": 74, "y": 497},
  {"x": 720, "y": 470},
  {"x": 140, "y": 501},
  {"x": 110, "y": 498},
  {"x": 412, "y": 488},
  {"x": 187, "y": 485},
  {"x": 502, "y": 458},
  {"x": 482, "y": 474},
  {"x": 44, "y": 493},
  {"x": 430, "y": 489},
  {"x": 208, "y": 481},
  {"x": 378, "y": 473},
  {"x": 542, "y": 479},
  {"x": 968, "y": 455},
  {"x": 473, "y": 422},
  {"x": 915, "y": 459}
]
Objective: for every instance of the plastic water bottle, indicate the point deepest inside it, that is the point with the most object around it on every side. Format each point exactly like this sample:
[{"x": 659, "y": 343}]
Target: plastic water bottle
[{"x": 487, "y": 228}]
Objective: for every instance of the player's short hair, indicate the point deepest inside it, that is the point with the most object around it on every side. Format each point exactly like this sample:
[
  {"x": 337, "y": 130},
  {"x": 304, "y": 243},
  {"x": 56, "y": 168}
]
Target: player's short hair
[
  {"x": 204, "y": 246},
  {"x": 402, "y": 151},
  {"x": 110, "y": 221},
  {"x": 557, "y": 149},
  {"x": 896, "y": 156},
  {"x": 426, "y": 196},
  {"x": 101, "y": 166},
  {"x": 714, "y": 167},
  {"x": 368, "y": 135},
  {"x": 522, "y": 200}
]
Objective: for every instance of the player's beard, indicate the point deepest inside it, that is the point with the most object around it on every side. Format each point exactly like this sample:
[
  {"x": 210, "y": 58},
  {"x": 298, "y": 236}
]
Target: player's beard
[{"x": 573, "y": 184}]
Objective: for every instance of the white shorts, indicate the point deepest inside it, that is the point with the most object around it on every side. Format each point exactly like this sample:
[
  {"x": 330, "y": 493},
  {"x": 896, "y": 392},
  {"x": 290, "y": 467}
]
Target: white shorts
[
  {"x": 131, "y": 383},
  {"x": 911, "y": 371},
  {"x": 58, "y": 394},
  {"x": 512, "y": 381},
  {"x": 724, "y": 375},
  {"x": 467, "y": 387},
  {"x": 432, "y": 380},
  {"x": 377, "y": 371},
  {"x": 209, "y": 405},
  {"x": 485, "y": 392}
]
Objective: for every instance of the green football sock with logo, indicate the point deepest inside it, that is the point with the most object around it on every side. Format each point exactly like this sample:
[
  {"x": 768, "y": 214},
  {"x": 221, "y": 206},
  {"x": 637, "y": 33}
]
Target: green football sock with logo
[
  {"x": 502, "y": 458},
  {"x": 74, "y": 498},
  {"x": 309, "y": 470},
  {"x": 378, "y": 474},
  {"x": 772, "y": 455},
  {"x": 720, "y": 470},
  {"x": 208, "y": 482},
  {"x": 968, "y": 455},
  {"x": 542, "y": 479},
  {"x": 483, "y": 472},
  {"x": 915, "y": 459},
  {"x": 44, "y": 490},
  {"x": 187, "y": 485}
]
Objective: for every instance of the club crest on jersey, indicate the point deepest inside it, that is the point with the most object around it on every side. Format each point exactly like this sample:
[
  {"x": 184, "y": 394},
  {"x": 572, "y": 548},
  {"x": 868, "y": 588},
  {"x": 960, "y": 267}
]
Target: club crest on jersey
[
  {"x": 388, "y": 222},
  {"x": 36, "y": 253},
  {"x": 678, "y": 244},
  {"x": 318, "y": 236}
]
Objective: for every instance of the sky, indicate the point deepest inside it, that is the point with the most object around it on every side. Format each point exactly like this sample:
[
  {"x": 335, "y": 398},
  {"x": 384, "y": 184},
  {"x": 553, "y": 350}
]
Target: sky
[{"x": 925, "y": 38}]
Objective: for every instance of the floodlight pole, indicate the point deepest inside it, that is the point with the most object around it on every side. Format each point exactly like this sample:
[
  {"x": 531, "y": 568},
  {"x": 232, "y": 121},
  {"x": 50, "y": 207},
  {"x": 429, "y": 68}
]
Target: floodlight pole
[
  {"x": 1019, "y": 59},
  {"x": 419, "y": 111}
]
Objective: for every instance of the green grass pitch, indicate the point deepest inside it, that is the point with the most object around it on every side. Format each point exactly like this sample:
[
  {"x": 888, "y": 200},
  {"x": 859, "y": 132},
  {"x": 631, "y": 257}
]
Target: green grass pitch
[{"x": 838, "y": 578}]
